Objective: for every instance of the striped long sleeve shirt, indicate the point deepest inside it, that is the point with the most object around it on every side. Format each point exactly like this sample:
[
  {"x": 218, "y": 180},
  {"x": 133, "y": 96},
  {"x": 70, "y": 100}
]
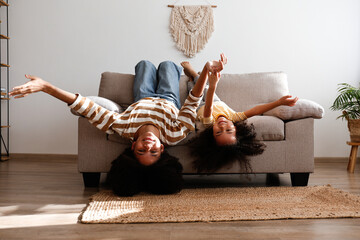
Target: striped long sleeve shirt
[{"x": 174, "y": 125}]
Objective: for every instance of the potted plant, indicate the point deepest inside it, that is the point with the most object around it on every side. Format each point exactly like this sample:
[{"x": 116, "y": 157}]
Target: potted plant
[{"x": 348, "y": 101}]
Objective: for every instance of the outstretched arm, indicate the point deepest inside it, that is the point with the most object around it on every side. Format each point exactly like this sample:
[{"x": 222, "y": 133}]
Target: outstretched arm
[
  {"x": 97, "y": 115},
  {"x": 36, "y": 84},
  {"x": 260, "y": 109}
]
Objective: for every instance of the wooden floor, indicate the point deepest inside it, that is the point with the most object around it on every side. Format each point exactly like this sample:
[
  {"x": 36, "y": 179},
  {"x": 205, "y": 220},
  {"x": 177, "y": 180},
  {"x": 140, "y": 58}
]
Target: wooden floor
[{"x": 41, "y": 198}]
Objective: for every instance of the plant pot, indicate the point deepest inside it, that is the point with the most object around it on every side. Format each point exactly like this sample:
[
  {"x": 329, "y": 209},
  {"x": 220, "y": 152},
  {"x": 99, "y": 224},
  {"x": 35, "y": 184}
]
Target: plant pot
[{"x": 354, "y": 128}]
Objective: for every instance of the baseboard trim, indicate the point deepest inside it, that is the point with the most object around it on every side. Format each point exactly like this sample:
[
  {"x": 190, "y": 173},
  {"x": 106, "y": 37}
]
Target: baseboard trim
[
  {"x": 44, "y": 156},
  {"x": 331, "y": 159}
]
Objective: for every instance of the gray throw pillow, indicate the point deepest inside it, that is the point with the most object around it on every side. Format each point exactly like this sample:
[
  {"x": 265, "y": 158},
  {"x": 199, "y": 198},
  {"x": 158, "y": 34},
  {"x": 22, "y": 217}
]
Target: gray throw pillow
[
  {"x": 302, "y": 109},
  {"x": 103, "y": 102}
]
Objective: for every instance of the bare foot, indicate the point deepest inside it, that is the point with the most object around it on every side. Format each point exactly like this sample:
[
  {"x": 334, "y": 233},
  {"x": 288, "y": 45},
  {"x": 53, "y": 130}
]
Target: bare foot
[{"x": 189, "y": 70}]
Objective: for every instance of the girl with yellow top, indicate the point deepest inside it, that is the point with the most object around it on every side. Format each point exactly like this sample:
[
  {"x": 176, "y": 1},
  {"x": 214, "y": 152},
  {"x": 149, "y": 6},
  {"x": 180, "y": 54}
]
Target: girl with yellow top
[{"x": 226, "y": 136}]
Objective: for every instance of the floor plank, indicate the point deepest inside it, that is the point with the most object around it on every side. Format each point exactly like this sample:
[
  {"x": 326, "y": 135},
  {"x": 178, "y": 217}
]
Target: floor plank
[{"x": 41, "y": 198}]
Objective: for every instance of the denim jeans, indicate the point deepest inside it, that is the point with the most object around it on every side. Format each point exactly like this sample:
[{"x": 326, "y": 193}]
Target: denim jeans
[{"x": 162, "y": 82}]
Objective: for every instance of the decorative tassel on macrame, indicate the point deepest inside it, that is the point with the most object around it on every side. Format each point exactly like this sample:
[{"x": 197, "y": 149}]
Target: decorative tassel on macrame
[{"x": 191, "y": 27}]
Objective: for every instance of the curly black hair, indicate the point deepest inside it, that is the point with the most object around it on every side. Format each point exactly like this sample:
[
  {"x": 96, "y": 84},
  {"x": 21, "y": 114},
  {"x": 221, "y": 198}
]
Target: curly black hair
[
  {"x": 209, "y": 157},
  {"x": 128, "y": 177}
]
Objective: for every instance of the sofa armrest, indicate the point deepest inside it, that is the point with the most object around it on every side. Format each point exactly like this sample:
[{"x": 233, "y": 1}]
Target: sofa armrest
[
  {"x": 299, "y": 135},
  {"x": 95, "y": 152}
]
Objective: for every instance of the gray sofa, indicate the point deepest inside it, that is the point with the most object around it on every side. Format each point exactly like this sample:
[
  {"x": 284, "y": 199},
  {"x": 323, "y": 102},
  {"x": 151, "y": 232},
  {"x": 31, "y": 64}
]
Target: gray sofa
[{"x": 288, "y": 132}]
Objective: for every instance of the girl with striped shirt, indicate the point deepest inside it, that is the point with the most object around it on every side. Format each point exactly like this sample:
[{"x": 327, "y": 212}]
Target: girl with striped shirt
[{"x": 155, "y": 119}]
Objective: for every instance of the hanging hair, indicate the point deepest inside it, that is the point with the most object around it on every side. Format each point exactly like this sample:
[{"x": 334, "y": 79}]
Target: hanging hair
[
  {"x": 209, "y": 157},
  {"x": 128, "y": 177}
]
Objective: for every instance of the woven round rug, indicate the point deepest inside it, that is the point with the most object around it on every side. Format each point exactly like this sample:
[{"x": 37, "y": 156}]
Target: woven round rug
[{"x": 223, "y": 204}]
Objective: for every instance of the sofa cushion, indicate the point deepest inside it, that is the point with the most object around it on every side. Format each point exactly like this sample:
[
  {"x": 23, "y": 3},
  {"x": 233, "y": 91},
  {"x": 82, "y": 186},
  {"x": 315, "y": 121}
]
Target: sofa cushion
[
  {"x": 304, "y": 108},
  {"x": 244, "y": 91},
  {"x": 268, "y": 128},
  {"x": 117, "y": 87},
  {"x": 117, "y": 138},
  {"x": 247, "y": 90}
]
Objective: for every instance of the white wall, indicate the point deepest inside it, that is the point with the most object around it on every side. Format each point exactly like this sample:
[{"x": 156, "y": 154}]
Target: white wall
[{"x": 70, "y": 43}]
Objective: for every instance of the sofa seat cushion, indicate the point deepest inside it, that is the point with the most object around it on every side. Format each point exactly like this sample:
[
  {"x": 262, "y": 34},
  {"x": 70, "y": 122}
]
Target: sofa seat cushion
[
  {"x": 117, "y": 138},
  {"x": 268, "y": 128}
]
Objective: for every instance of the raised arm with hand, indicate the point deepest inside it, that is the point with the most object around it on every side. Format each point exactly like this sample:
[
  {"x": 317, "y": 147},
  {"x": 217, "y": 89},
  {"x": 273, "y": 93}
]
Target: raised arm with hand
[
  {"x": 260, "y": 109},
  {"x": 36, "y": 84},
  {"x": 213, "y": 81},
  {"x": 211, "y": 66}
]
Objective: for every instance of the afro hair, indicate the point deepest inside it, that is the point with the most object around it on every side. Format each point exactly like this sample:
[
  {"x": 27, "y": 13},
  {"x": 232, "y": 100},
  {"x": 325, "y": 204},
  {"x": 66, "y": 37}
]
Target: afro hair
[
  {"x": 209, "y": 157},
  {"x": 128, "y": 177}
]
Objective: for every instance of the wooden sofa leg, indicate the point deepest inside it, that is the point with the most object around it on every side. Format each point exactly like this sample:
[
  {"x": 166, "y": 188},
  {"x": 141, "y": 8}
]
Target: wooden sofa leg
[
  {"x": 91, "y": 179},
  {"x": 299, "y": 179}
]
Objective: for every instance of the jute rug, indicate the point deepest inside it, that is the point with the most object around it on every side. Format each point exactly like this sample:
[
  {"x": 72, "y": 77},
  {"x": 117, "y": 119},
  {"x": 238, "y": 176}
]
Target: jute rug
[{"x": 223, "y": 204}]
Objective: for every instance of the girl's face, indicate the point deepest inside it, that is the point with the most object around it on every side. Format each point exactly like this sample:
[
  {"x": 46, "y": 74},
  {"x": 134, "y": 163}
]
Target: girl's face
[
  {"x": 147, "y": 148},
  {"x": 224, "y": 131}
]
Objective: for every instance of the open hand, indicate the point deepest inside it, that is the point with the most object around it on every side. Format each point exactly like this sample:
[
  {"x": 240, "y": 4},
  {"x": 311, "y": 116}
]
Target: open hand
[
  {"x": 35, "y": 84},
  {"x": 217, "y": 66},
  {"x": 288, "y": 100}
]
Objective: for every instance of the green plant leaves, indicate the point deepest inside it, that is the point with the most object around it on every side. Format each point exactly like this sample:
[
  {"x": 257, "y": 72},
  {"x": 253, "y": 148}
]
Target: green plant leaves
[{"x": 348, "y": 100}]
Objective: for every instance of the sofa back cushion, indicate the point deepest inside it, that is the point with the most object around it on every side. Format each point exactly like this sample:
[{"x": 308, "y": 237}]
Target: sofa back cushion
[
  {"x": 244, "y": 91},
  {"x": 117, "y": 87},
  {"x": 239, "y": 91}
]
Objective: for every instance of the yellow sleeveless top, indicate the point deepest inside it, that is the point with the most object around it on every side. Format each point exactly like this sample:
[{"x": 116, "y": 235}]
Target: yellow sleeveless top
[{"x": 220, "y": 109}]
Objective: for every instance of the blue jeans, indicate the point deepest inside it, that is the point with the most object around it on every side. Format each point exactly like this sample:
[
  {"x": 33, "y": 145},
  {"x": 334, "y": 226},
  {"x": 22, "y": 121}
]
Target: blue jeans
[{"x": 162, "y": 82}]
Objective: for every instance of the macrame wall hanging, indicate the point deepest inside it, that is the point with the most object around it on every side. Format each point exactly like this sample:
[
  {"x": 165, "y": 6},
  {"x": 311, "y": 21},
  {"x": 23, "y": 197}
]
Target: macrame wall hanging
[{"x": 191, "y": 27}]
